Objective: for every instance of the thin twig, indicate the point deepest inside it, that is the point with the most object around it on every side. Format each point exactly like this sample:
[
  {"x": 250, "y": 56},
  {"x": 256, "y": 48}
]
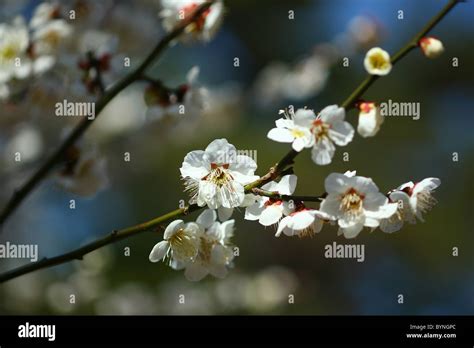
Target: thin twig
[
  {"x": 79, "y": 253},
  {"x": 276, "y": 195}
]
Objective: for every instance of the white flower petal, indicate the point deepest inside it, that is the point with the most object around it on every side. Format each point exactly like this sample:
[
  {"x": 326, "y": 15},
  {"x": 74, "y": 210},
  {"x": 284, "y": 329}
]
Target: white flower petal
[
  {"x": 271, "y": 215},
  {"x": 220, "y": 151},
  {"x": 244, "y": 165},
  {"x": 331, "y": 205},
  {"x": 254, "y": 211},
  {"x": 284, "y": 123},
  {"x": 341, "y": 133},
  {"x": 195, "y": 271},
  {"x": 287, "y": 185},
  {"x": 282, "y": 225},
  {"x": 304, "y": 117},
  {"x": 301, "y": 220},
  {"x": 172, "y": 228},
  {"x": 352, "y": 231},
  {"x": 207, "y": 218},
  {"x": 385, "y": 211},
  {"x": 336, "y": 183},
  {"x": 159, "y": 251},
  {"x": 364, "y": 185},
  {"x": 332, "y": 114},
  {"x": 281, "y": 135},
  {"x": 429, "y": 184},
  {"x": 224, "y": 213},
  {"x": 194, "y": 165},
  {"x": 323, "y": 152},
  {"x": 371, "y": 222},
  {"x": 390, "y": 226}
]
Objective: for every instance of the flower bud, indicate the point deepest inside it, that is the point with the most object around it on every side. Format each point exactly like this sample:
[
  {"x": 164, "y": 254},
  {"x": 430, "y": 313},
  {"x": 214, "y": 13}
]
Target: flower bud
[
  {"x": 370, "y": 119},
  {"x": 431, "y": 47}
]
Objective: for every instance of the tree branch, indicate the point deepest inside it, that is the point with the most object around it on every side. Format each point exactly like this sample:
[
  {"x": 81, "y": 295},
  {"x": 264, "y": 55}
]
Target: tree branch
[
  {"x": 113, "y": 237},
  {"x": 20, "y": 194},
  {"x": 278, "y": 196},
  {"x": 272, "y": 174}
]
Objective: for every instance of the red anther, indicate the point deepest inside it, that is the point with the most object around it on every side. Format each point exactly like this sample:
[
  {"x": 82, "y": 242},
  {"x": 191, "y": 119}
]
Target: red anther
[{"x": 104, "y": 61}]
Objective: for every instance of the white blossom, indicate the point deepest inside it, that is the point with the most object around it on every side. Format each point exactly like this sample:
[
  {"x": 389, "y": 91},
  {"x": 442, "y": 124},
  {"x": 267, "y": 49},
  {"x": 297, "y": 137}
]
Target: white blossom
[
  {"x": 329, "y": 128},
  {"x": 200, "y": 248},
  {"x": 216, "y": 176},
  {"x": 413, "y": 200},
  {"x": 294, "y": 128},
  {"x": 49, "y": 37},
  {"x": 180, "y": 243},
  {"x": 215, "y": 252},
  {"x": 377, "y": 62},
  {"x": 304, "y": 130},
  {"x": 44, "y": 13},
  {"x": 355, "y": 202},
  {"x": 269, "y": 211},
  {"x": 303, "y": 222},
  {"x": 14, "y": 42}
]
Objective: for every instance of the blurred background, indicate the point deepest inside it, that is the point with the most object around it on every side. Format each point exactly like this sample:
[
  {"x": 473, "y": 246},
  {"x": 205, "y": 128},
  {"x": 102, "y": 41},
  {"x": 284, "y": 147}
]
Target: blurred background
[{"x": 281, "y": 61}]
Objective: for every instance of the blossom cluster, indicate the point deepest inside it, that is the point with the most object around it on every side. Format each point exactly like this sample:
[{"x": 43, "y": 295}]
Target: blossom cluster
[
  {"x": 28, "y": 50},
  {"x": 200, "y": 248},
  {"x": 216, "y": 178}
]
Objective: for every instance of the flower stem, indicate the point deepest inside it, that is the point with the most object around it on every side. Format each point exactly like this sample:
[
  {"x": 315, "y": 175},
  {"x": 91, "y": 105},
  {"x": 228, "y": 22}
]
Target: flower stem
[
  {"x": 20, "y": 194},
  {"x": 272, "y": 174}
]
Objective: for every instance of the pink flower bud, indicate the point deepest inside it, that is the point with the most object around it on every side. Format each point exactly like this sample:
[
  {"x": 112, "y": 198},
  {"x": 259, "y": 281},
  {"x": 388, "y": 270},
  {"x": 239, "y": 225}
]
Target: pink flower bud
[{"x": 431, "y": 47}]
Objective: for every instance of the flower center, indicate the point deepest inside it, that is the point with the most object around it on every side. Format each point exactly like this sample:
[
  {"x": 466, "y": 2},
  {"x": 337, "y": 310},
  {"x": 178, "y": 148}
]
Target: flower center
[
  {"x": 307, "y": 232},
  {"x": 183, "y": 245},
  {"x": 320, "y": 129},
  {"x": 52, "y": 38},
  {"x": 297, "y": 133},
  {"x": 205, "y": 249},
  {"x": 351, "y": 202},
  {"x": 425, "y": 201},
  {"x": 219, "y": 174},
  {"x": 378, "y": 61},
  {"x": 8, "y": 52}
]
